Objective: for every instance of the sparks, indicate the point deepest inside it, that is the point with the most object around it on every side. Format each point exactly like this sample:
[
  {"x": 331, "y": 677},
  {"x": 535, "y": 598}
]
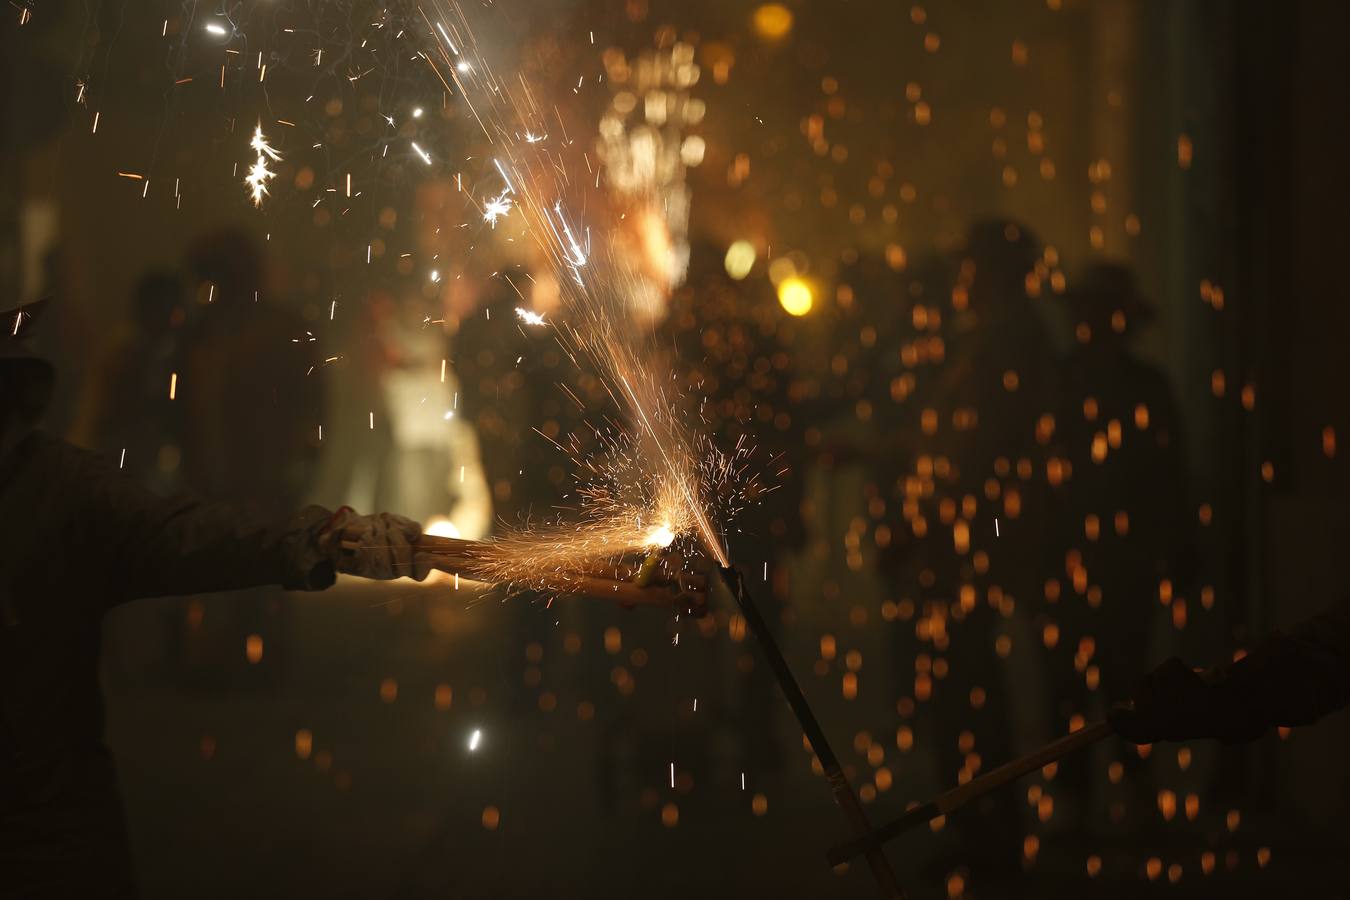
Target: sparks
[
  {"x": 474, "y": 739},
  {"x": 661, "y": 536},
  {"x": 259, "y": 174},
  {"x": 530, "y": 317},
  {"x": 577, "y": 258},
  {"x": 426, "y": 157},
  {"x": 497, "y": 207}
]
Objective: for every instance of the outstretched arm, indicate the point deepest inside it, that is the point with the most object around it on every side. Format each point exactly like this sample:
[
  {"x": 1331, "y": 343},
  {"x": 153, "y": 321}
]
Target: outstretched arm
[
  {"x": 1289, "y": 679},
  {"x": 150, "y": 546}
]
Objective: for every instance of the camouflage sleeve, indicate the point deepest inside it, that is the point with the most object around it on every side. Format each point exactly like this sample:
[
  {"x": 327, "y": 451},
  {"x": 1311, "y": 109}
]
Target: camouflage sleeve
[{"x": 151, "y": 546}]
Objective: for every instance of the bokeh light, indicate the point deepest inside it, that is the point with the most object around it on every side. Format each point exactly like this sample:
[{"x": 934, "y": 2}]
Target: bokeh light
[
  {"x": 795, "y": 296},
  {"x": 773, "y": 21},
  {"x": 740, "y": 259}
]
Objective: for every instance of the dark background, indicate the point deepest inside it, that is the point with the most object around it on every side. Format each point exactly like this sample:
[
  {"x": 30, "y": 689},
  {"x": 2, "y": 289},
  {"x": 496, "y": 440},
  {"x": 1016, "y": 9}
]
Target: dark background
[{"x": 388, "y": 801}]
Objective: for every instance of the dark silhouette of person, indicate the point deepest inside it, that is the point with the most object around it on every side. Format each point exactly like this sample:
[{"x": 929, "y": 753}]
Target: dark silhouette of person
[
  {"x": 506, "y": 369},
  {"x": 252, "y": 402},
  {"x": 973, "y": 504},
  {"x": 248, "y": 382},
  {"x": 64, "y": 511},
  {"x": 1121, "y": 512},
  {"x": 1288, "y": 680},
  {"x": 130, "y": 402}
]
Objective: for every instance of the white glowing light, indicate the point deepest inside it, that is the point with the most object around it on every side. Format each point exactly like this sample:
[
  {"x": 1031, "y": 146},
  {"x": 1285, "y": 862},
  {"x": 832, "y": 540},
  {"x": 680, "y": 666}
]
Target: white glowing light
[
  {"x": 501, "y": 170},
  {"x": 426, "y": 157},
  {"x": 435, "y": 276},
  {"x": 661, "y": 536},
  {"x": 216, "y": 29},
  {"x": 259, "y": 143},
  {"x": 529, "y": 316},
  {"x": 440, "y": 526},
  {"x": 532, "y": 138},
  {"x": 474, "y": 739},
  {"x": 463, "y": 66},
  {"x": 417, "y": 113},
  {"x": 258, "y": 174},
  {"x": 576, "y": 258},
  {"x": 496, "y": 208}
]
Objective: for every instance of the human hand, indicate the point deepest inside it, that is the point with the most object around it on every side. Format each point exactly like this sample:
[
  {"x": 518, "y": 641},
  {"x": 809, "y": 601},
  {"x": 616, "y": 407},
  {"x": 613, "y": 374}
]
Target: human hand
[{"x": 381, "y": 546}]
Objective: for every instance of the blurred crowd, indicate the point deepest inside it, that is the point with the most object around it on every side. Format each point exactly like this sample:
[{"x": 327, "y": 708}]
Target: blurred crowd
[{"x": 1021, "y": 506}]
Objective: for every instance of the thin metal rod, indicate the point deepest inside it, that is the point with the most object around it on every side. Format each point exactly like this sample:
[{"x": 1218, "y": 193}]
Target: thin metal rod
[
  {"x": 977, "y": 787},
  {"x": 815, "y": 735}
]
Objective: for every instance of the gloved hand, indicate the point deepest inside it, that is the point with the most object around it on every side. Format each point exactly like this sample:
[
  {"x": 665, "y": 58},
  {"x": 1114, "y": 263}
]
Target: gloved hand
[
  {"x": 380, "y": 546},
  {"x": 1176, "y": 703}
]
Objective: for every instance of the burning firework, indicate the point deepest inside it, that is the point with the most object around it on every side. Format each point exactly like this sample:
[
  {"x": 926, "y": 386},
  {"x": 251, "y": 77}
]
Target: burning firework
[
  {"x": 259, "y": 174},
  {"x": 672, "y": 475}
]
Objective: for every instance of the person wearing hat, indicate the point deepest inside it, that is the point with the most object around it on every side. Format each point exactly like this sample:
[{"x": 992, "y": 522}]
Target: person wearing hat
[
  {"x": 1291, "y": 678},
  {"x": 1120, "y": 514},
  {"x": 80, "y": 537}
]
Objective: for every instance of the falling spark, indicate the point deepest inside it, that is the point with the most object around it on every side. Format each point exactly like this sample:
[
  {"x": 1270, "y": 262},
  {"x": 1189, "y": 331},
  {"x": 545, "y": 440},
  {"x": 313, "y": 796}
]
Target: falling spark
[
  {"x": 216, "y": 29},
  {"x": 502, "y": 171},
  {"x": 577, "y": 258},
  {"x": 530, "y": 317},
  {"x": 474, "y": 739},
  {"x": 426, "y": 157},
  {"x": 259, "y": 174}
]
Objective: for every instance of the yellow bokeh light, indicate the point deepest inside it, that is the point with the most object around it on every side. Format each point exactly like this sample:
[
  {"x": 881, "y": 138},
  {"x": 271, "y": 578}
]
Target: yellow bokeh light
[
  {"x": 795, "y": 296},
  {"x": 772, "y": 21},
  {"x": 740, "y": 259}
]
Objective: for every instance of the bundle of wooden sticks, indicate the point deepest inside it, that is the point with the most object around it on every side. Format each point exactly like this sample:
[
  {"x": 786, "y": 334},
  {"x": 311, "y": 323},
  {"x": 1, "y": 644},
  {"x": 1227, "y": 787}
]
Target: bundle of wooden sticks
[{"x": 655, "y": 579}]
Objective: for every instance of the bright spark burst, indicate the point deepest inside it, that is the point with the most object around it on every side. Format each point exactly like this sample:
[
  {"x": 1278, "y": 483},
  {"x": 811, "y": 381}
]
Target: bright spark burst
[
  {"x": 426, "y": 157},
  {"x": 660, "y": 480},
  {"x": 661, "y": 536},
  {"x": 259, "y": 174},
  {"x": 497, "y": 207},
  {"x": 530, "y": 317}
]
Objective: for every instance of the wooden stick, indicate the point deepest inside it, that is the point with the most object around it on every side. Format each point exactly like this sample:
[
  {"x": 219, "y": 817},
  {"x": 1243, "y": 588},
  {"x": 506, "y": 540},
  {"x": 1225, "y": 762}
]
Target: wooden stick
[
  {"x": 977, "y": 787},
  {"x": 815, "y": 735},
  {"x": 601, "y": 581}
]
